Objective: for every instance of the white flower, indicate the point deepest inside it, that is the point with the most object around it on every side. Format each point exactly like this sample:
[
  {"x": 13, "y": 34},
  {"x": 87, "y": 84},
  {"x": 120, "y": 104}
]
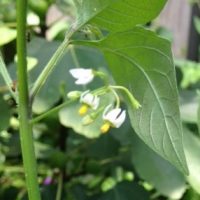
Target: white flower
[
  {"x": 83, "y": 76},
  {"x": 113, "y": 118},
  {"x": 89, "y": 101}
]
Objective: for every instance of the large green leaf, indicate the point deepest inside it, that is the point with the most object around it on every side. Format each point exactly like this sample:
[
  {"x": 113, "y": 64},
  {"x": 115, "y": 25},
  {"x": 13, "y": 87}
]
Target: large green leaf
[
  {"x": 142, "y": 62},
  {"x": 117, "y": 15}
]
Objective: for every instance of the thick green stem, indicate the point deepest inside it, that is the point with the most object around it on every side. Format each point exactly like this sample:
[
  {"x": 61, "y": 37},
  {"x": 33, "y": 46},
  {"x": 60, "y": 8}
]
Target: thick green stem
[{"x": 27, "y": 147}]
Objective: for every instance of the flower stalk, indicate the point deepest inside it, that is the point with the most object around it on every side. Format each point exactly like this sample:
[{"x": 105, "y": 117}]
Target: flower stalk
[
  {"x": 50, "y": 66},
  {"x": 28, "y": 154}
]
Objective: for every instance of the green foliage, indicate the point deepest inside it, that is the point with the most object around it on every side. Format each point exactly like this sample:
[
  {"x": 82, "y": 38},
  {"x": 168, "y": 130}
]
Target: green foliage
[
  {"x": 74, "y": 157},
  {"x": 7, "y": 35},
  {"x": 115, "y": 15},
  {"x": 145, "y": 68}
]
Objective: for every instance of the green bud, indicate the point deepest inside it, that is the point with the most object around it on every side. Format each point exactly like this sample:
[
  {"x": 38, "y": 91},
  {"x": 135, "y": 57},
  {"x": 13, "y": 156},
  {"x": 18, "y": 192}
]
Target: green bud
[
  {"x": 87, "y": 120},
  {"x": 73, "y": 95}
]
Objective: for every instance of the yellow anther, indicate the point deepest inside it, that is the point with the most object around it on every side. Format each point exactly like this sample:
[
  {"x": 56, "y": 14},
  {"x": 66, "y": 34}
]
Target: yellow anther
[
  {"x": 83, "y": 109},
  {"x": 105, "y": 127}
]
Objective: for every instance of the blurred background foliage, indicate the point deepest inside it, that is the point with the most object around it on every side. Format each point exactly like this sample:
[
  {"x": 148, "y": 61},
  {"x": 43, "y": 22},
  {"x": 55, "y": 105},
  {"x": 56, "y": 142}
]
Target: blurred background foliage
[{"x": 87, "y": 166}]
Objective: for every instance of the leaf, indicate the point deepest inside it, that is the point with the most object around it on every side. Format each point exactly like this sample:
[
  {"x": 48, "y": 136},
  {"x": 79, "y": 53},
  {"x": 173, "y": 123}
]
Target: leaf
[
  {"x": 159, "y": 170},
  {"x": 117, "y": 15},
  {"x": 190, "y": 71},
  {"x": 192, "y": 149},
  {"x": 7, "y": 35},
  {"x": 142, "y": 62},
  {"x": 189, "y": 106}
]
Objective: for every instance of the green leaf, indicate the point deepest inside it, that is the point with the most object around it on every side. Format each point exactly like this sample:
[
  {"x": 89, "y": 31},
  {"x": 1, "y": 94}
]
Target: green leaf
[
  {"x": 142, "y": 62},
  {"x": 117, "y": 15},
  {"x": 190, "y": 71},
  {"x": 189, "y": 106},
  {"x": 150, "y": 166},
  {"x": 158, "y": 170},
  {"x": 191, "y": 195},
  {"x": 7, "y": 35},
  {"x": 192, "y": 149}
]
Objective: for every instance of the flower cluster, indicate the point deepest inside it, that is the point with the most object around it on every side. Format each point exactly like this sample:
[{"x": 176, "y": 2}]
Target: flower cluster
[{"x": 112, "y": 117}]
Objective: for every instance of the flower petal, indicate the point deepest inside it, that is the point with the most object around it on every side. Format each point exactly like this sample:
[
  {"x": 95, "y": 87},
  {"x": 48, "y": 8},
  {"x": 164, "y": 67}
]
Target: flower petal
[
  {"x": 120, "y": 120},
  {"x": 77, "y": 72},
  {"x": 96, "y": 102},
  {"x": 116, "y": 116},
  {"x": 83, "y": 76},
  {"x": 84, "y": 80},
  {"x": 89, "y": 99},
  {"x": 112, "y": 115}
]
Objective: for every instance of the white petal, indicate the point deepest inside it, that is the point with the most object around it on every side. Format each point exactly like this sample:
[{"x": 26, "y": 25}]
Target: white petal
[
  {"x": 84, "y": 80},
  {"x": 87, "y": 98},
  {"x": 95, "y": 102},
  {"x": 112, "y": 115},
  {"x": 77, "y": 72},
  {"x": 120, "y": 120},
  {"x": 116, "y": 116},
  {"x": 90, "y": 99}
]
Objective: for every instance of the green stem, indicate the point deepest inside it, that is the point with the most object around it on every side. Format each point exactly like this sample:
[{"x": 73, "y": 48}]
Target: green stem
[
  {"x": 74, "y": 57},
  {"x": 50, "y": 65},
  {"x": 60, "y": 185},
  {"x": 116, "y": 97},
  {"x": 6, "y": 77},
  {"x": 28, "y": 154},
  {"x": 46, "y": 114},
  {"x": 134, "y": 102}
]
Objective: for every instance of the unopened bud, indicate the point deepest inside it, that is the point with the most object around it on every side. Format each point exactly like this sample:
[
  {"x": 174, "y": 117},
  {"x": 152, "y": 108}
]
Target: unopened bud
[
  {"x": 87, "y": 120},
  {"x": 73, "y": 95}
]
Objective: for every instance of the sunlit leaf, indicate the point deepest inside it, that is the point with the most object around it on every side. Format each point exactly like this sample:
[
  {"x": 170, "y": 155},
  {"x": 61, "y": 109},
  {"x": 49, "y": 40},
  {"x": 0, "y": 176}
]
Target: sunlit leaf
[
  {"x": 7, "y": 35},
  {"x": 117, "y": 15},
  {"x": 142, "y": 62}
]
